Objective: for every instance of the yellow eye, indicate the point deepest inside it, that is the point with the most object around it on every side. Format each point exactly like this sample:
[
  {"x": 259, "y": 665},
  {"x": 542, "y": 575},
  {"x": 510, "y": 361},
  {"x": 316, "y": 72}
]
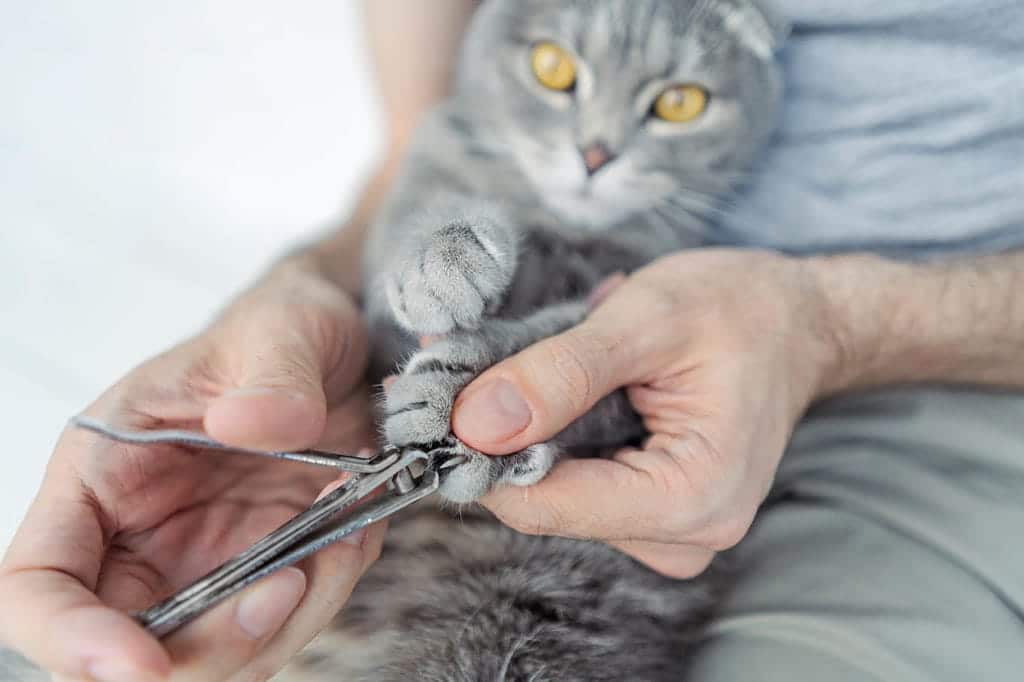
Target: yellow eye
[
  {"x": 681, "y": 103},
  {"x": 553, "y": 66}
]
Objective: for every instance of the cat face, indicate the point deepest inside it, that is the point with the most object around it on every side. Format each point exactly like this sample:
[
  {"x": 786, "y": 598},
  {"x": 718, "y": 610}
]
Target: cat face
[{"x": 614, "y": 107}]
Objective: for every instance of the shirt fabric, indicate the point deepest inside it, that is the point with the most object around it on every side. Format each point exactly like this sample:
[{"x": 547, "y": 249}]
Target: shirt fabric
[{"x": 902, "y": 131}]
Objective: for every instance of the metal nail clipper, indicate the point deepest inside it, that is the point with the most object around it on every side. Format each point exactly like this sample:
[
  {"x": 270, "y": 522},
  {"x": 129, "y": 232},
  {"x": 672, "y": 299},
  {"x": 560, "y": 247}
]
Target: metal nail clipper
[{"x": 409, "y": 474}]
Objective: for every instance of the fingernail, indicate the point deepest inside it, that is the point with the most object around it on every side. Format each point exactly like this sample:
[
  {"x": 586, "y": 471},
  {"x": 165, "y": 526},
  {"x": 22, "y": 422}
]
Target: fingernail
[
  {"x": 493, "y": 412},
  {"x": 119, "y": 671},
  {"x": 265, "y": 608}
]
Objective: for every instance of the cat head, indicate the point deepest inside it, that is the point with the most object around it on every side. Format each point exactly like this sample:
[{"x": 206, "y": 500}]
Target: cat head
[{"x": 614, "y": 107}]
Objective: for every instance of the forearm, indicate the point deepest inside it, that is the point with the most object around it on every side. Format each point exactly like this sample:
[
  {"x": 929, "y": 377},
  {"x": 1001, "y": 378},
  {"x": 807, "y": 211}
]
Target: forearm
[{"x": 957, "y": 322}]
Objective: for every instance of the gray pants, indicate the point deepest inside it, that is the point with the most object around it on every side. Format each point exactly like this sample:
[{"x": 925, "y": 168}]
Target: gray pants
[{"x": 892, "y": 548}]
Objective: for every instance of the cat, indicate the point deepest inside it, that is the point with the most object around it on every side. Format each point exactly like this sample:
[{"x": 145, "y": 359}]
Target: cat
[
  {"x": 522, "y": 192},
  {"x": 581, "y": 139}
]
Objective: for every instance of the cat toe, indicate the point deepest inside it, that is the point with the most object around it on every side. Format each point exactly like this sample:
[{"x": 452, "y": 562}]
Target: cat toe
[
  {"x": 417, "y": 408},
  {"x": 479, "y": 473},
  {"x": 418, "y": 403},
  {"x": 415, "y": 306},
  {"x": 450, "y": 281},
  {"x": 468, "y": 481},
  {"x": 527, "y": 467}
]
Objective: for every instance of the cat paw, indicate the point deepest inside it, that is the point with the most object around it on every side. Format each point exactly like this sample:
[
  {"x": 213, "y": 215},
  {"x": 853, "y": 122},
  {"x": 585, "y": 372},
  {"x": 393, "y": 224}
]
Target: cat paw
[
  {"x": 417, "y": 411},
  {"x": 480, "y": 473},
  {"x": 452, "y": 278},
  {"x": 418, "y": 403}
]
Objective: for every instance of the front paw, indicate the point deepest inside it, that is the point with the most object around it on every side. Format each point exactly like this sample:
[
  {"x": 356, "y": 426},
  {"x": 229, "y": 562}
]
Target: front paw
[
  {"x": 418, "y": 403},
  {"x": 418, "y": 406},
  {"x": 473, "y": 479},
  {"x": 451, "y": 278}
]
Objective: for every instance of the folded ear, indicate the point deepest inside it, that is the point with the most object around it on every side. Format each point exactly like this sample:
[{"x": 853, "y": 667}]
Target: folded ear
[{"x": 761, "y": 29}]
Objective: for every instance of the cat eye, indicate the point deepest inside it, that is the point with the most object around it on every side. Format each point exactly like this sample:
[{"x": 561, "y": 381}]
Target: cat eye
[
  {"x": 553, "y": 67},
  {"x": 680, "y": 103}
]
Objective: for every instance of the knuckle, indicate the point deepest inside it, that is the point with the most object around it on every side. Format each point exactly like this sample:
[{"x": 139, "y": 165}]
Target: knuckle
[
  {"x": 727, "y": 533},
  {"x": 690, "y": 472},
  {"x": 282, "y": 372},
  {"x": 693, "y": 469},
  {"x": 680, "y": 562},
  {"x": 688, "y": 569},
  {"x": 575, "y": 369},
  {"x": 683, "y": 572}
]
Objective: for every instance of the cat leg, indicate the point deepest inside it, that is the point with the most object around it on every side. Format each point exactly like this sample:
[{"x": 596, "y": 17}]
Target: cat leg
[{"x": 452, "y": 264}]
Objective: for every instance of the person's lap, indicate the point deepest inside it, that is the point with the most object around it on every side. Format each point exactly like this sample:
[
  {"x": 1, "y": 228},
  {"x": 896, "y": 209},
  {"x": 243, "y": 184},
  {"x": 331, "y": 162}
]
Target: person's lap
[{"x": 891, "y": 548}]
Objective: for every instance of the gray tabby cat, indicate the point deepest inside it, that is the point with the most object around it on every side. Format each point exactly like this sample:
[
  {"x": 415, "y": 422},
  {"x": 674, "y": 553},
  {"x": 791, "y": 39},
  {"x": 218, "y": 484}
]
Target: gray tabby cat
[{"x": 582, "y": 139}]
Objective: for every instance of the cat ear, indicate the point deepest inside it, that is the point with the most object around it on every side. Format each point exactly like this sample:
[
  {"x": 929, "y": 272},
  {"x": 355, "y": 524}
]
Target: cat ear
[{"x": 761, "y": 29}]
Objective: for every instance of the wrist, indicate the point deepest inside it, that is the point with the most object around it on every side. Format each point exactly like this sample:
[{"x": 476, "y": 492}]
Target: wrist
[
  {"x": 894, "y": 322},
  {"x": 859, "y": 297}
]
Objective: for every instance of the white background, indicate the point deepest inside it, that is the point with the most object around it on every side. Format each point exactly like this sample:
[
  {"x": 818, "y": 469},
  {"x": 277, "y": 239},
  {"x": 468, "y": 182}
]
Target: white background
[{"x": 154, "y": 157}]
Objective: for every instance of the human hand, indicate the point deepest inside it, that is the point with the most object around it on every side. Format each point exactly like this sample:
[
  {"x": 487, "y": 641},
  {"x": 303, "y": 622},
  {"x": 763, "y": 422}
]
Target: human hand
[
  {"x": 721, "y": 351},
  {"x": 115, "y": 527}
]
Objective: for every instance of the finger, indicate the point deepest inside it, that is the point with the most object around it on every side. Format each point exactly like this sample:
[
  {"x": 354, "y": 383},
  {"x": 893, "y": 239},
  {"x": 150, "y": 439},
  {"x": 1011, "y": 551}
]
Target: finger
[
  {"x": 222, "y": 641},
  {"x": 49, "y": 611},
  {"x": 60, "y": 625},
  {"x": 257, "y": 632},
  {"x": 673, "y": 561},
  {"x": 284, "y": 366},
  {"x": 332, "y": 574},
  {"x": 536, "y": 393},
  {"x": 604, "y": 288},
  {"x": 266, "y": 419},
  {"x": 610, "y": 499},
  {"x": 592, "y": 499},
  {"x": 533, "y": 395},
  {"x": 350, "y": 424}
]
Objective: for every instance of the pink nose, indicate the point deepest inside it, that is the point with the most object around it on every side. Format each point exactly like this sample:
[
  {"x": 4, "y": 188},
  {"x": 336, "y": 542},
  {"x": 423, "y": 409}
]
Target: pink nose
[{"x": 596, "y": 156}]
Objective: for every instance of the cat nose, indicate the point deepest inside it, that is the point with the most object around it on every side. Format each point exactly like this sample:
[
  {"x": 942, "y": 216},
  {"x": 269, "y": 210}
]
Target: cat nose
[{"x": 596, "y": 156}]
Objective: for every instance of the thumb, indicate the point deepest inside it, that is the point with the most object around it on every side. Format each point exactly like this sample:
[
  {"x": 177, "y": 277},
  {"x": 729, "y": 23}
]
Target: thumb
[
  {"x": 533, "y": 395},
  {"x": 275, "y": 397}
]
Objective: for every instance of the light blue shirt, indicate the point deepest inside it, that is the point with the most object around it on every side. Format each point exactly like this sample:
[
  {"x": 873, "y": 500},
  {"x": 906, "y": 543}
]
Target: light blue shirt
[{"x": 903, "y": 130}]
